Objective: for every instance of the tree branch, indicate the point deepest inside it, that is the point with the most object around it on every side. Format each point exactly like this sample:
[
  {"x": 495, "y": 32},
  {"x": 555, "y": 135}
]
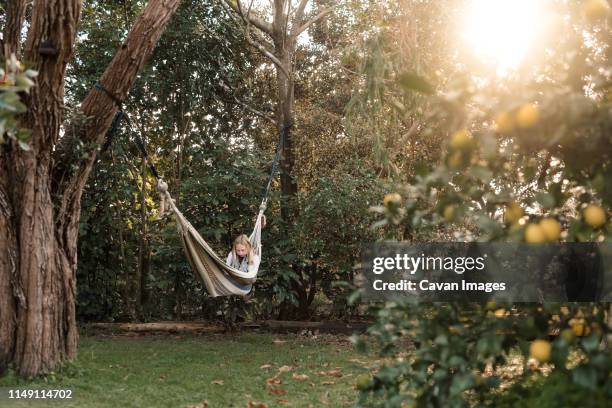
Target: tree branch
[
  {"x": 254, "y": 111},
  {"x": 269, "y": 55},
  {"x": 248, "y": 17},
  {"x": 300, "y": 29},
  {"x": 299, "y": 14}
]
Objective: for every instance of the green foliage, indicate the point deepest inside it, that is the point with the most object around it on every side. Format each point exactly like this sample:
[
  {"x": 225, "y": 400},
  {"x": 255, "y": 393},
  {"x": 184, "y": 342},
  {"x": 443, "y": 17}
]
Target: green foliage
[
  {"x": 553, "y": 391},
  {"x": 14, "y": 78},
  {"x": 515, "y": 151},
  {"x": 460, "y": 350}
]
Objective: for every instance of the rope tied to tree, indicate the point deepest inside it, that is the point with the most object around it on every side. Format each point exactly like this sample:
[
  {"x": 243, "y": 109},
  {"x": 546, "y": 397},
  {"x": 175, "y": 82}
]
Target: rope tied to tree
[{"x": 275, "y": 163}]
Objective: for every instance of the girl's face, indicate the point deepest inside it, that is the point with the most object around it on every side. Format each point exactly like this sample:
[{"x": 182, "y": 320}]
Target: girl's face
[{"x": 241, "y": 250}]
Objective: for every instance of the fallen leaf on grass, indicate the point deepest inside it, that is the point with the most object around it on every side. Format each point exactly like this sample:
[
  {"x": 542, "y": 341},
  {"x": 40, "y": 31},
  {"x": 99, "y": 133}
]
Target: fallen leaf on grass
[
  {"x": 273, "y": 380},
  {"x": 285, "y": 369},
  {"x": 163, "y": 377},
  {"x": 331, "y": 373},
  {"x": 265, "y": 366},
  {"x": 254, "y": 404},
  {"x": 277, "y": 341},
  {"x": 300, "y": 377},
  {"x": 277, "y": 391},
  {"x": 328, "y": 382},
  {"x": 282, "y": 400},
  {"x": 217, "y": 382}
]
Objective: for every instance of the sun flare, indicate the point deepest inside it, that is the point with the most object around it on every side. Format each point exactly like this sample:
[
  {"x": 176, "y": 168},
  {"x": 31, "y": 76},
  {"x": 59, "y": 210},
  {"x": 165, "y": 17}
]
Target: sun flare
[{"x": 500, "y": 33}]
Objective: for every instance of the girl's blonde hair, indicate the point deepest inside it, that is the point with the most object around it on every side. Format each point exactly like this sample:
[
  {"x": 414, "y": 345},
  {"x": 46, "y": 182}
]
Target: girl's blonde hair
[{"x": 243, "y": 240}]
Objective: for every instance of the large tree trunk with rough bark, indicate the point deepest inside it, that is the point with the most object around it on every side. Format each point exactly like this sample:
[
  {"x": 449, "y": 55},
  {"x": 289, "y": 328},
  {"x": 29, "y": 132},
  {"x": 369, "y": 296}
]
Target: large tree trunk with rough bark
[{"x": 39, "y": 195}]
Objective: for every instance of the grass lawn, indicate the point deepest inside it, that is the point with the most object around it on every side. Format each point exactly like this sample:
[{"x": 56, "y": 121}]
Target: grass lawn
[{"x": 224, "y": 370}]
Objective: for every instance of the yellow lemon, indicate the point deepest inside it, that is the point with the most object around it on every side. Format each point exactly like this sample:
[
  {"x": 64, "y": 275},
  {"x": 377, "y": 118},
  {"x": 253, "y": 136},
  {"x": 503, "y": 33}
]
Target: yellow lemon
[
  {"x": 449, "y": 213},
  {"x": 551, "y": 228},
  {"x": 392, "y": 198},
  {"x": 504, "y": 122},
  {"x": 579, "y": 327},
  {"x": 595, "y": 9},
  {"x": 535, "y": 234},
  {"x": 362, "y": 381},
  {"x": 500, "y": 312},
  {"x": 461, "y": 139},
  {"x": 540, "y": 350},
  {"x": 527, "y": 116},
  {"x": 594, "y": 215}
]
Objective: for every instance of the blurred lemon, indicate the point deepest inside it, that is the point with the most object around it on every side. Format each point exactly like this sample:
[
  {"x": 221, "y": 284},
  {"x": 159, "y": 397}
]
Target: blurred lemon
[
  {"x": 595, "y": 9},
  {"x": 594, "y": 215},
  {"x": 500, "y": 312},
  {"x": 535, "y": 234},
  {"x": 527, "y": 116},
  {"x": 449, "y": 213},
  {"x": 513, "y": 213},
  {"x": 579, "y": 327},
  {"x": 455, "y": 160},
  {"x": 461, "y": 139},
  {"x": 392, "y": 198},
  {"x": 540, "y": 350},
  {"x": 551, "y": 228},
  {"x": 504, "y": 122},
  {"x": 362, "y": 381}
]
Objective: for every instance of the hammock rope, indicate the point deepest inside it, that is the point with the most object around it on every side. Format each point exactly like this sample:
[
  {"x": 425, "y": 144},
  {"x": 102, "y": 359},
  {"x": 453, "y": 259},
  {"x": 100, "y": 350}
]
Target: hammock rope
[{"x": 219, "y": 278}]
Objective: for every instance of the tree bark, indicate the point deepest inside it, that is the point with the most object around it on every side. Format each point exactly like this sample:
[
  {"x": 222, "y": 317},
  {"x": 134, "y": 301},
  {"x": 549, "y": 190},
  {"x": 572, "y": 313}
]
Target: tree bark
[
  {"x": 39, "y": 215},
  {"x": 15, "y": 15}
]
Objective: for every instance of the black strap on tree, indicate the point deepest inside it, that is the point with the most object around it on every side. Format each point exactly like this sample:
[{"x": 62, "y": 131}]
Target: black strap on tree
[
  {"x": 116, "y": 120},
  {"x": 119, "y": 116},
  {"x": 275, "y": 163}
]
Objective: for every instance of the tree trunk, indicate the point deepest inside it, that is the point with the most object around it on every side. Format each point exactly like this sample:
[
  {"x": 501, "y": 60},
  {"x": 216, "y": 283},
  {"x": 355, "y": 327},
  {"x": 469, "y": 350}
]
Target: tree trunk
[
  {"x": 284, "y": 44},
  {"x": 39, "y": 214},
  {"x": 15, "y": 14},
  {"x": 285, "y": 117}
]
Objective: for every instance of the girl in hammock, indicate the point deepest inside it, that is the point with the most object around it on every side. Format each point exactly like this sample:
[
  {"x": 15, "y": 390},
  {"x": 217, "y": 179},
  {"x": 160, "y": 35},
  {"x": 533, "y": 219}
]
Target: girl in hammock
[{"x": 242, "y": 256}]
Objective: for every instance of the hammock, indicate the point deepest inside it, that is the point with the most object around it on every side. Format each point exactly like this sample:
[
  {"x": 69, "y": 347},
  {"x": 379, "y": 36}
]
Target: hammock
[{"x": 219, "y": 278}]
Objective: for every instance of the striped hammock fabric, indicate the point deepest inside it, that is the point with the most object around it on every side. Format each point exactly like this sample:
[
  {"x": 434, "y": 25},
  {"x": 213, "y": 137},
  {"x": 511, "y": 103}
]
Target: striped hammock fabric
[{"x": 219, "y": 278}]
